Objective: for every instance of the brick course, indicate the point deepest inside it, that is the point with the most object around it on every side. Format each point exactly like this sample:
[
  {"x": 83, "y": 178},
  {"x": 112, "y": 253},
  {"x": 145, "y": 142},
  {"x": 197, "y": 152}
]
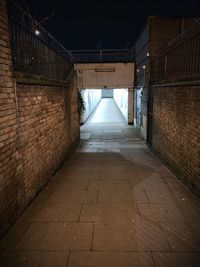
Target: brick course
[{"x": 176, "y": 131}]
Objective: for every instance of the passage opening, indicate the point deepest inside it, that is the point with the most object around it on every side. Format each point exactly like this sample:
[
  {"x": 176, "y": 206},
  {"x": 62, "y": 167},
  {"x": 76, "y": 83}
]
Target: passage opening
[{"x": 108, "y": 106}]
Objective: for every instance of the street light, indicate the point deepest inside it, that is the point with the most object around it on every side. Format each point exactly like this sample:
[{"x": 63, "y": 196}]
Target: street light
[{"x": 37, "y": 32}]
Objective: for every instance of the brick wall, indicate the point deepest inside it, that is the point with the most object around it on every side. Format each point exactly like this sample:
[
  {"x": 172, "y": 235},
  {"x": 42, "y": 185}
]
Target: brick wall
[
  {"x": 176, "y": 131},
  {"x": 9, "y": 162},
  {"x": 48, "y": 126},
  {"x": 39, "y": 127}
]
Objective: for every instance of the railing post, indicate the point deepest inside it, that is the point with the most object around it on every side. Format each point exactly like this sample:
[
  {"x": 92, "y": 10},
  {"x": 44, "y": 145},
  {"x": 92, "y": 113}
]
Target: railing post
[{"x": 101, "y": 55}]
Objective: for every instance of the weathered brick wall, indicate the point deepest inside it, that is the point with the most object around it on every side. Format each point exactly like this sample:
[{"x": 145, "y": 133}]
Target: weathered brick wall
[
  {"x": 34, "y": 143},
  {"x": 47, "y": 130},
  {"x": 39, "y": 127},
  {"x": 176, "y": 131},
  {"x": 9, "y": 160}
]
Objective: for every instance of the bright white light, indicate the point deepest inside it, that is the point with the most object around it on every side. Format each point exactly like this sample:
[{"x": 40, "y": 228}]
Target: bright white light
[
  {"x": 144, "y": 67},
  {"x": 37, "y": 32},
  {"x": 121, "y": 98},
  {"x": 138, "y": 70},
  {"x": 147, "y": 54}
]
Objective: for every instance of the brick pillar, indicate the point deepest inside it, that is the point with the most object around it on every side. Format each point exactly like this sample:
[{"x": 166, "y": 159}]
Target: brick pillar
[{"x": 9, "y": 166}]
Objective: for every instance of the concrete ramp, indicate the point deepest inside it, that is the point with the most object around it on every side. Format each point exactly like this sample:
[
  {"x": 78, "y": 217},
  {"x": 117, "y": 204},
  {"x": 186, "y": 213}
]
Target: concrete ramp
[{"x": 107, "y": 112}]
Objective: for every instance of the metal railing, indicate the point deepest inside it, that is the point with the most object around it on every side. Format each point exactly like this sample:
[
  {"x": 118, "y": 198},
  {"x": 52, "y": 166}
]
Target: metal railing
[
  {"x": 180, "y": 59},
  {"x": 34, "y": 50},
  {"x": 92, "y": 56}
]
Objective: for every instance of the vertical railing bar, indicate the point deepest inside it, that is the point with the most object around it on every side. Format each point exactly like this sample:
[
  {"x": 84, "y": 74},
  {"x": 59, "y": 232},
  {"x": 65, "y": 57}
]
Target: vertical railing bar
[{"x": 28, "y": 49}]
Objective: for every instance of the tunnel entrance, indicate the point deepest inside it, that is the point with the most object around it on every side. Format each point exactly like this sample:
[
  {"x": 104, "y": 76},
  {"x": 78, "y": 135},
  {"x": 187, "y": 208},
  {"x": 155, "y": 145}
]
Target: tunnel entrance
[
  {"x": 116, "y": 76},
  {"x": 106, "y": 129},
  {"x": 107, "y": 106}
]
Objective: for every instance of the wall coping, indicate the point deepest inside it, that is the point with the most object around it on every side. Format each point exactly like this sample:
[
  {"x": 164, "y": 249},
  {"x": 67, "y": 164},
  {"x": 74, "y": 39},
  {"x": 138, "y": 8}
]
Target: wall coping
[
  {"x": 180, "y": 84},
  {"x": 24, "y": 78}
]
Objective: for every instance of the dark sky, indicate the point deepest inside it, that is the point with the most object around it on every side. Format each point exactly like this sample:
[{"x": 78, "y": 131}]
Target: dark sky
[{"x": 81, "y": 24}]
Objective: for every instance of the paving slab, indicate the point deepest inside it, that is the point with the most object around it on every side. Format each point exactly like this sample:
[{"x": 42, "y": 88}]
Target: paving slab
[
  {"x": 119, "y": 196},
  {"x": 113, "y": 168},
  {"x": 109, "y": 184},
  {"x": 112, "y": 174},
  {"x": 114, "y": 237},
  {"x": 184, "y": 194},
  {"x": 73, "y": 196},
  {"x": 33, "y": 259},
  {"x": 140, "y": 195},
  {"x": 138, "y": 236},
  {"x": 179, "y": 259},
  {"x": 160, "y": 196},
  {"x": 108, "y": 213},
  {"x": 194, "y": 228},
  {"x": 83, "y": 175},
  {"x": 83, "y": 168},
  {"x": 56, "y": 236},
  {"x": 110, "y": 259},
  {"x": 52, "y": 213},
  {"x": 116, "y": 160},
  {"x": 162, "y": 212},
  {"x": 151, "y": 237},
  {"x": 181, "y": 237},
  {"x": 68, "y": 184}
]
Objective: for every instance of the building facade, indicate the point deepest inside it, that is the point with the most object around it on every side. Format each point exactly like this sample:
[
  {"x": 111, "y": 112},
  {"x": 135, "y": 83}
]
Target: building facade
[{"x": 157, "y": 32}]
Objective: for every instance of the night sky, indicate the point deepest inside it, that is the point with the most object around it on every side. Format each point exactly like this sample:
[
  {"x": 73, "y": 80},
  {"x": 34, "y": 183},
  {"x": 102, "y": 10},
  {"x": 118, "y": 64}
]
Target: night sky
[{"x": 108, "y": 24}]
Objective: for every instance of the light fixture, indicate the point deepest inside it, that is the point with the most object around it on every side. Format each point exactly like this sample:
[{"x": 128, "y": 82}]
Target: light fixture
[
  {"x": 37, "y": 32},
  {"x": 138, "y": 70},
  {"x": 144, "y": 67},
  {"x": 105, "y": 70},
  {"x": 148, "y": 54}
]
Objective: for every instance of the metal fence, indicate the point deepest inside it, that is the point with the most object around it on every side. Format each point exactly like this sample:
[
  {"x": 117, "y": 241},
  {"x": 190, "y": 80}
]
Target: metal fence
[
  {"x": 180, "y": 59},
  {"x": 34, "y": 50},
  {"x": 91, "y": 56}
]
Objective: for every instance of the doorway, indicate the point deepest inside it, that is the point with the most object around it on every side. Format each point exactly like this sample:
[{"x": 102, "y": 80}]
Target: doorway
[{"x": 107, "y": 93}]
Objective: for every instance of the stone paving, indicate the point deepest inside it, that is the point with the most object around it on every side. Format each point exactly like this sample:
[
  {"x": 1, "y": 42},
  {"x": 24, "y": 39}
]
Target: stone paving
[{"x": 112, "y": 204}]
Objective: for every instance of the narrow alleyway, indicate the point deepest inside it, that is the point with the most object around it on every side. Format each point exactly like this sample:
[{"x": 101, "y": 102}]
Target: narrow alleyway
[{"x": 112, "y": 204}]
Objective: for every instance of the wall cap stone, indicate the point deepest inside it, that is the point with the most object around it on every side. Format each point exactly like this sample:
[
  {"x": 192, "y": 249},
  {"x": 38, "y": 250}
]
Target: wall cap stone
[
  {"x": 25, "y": 78},
  {"x": 178, "y": 84}
]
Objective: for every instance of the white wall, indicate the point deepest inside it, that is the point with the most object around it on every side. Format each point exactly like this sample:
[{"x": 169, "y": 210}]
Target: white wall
[
  {"x": 91, "y": 98},
  {"x": 121, "y": 98},
  {"x": 105, "y": 75}
]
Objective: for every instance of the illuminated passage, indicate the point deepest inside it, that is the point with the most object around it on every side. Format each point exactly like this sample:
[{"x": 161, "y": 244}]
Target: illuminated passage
[
  {"x": 105, "y": 106},
  {"x": 107, "y": 112}
]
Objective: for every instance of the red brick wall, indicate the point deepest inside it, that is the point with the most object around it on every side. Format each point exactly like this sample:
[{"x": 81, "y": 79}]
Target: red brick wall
[
  {"x": 9, "y": 161},
  {"x": 46, "y": 132},
  {"x": 39, "y": 127},
  {"x": 176, "y": 131}
]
